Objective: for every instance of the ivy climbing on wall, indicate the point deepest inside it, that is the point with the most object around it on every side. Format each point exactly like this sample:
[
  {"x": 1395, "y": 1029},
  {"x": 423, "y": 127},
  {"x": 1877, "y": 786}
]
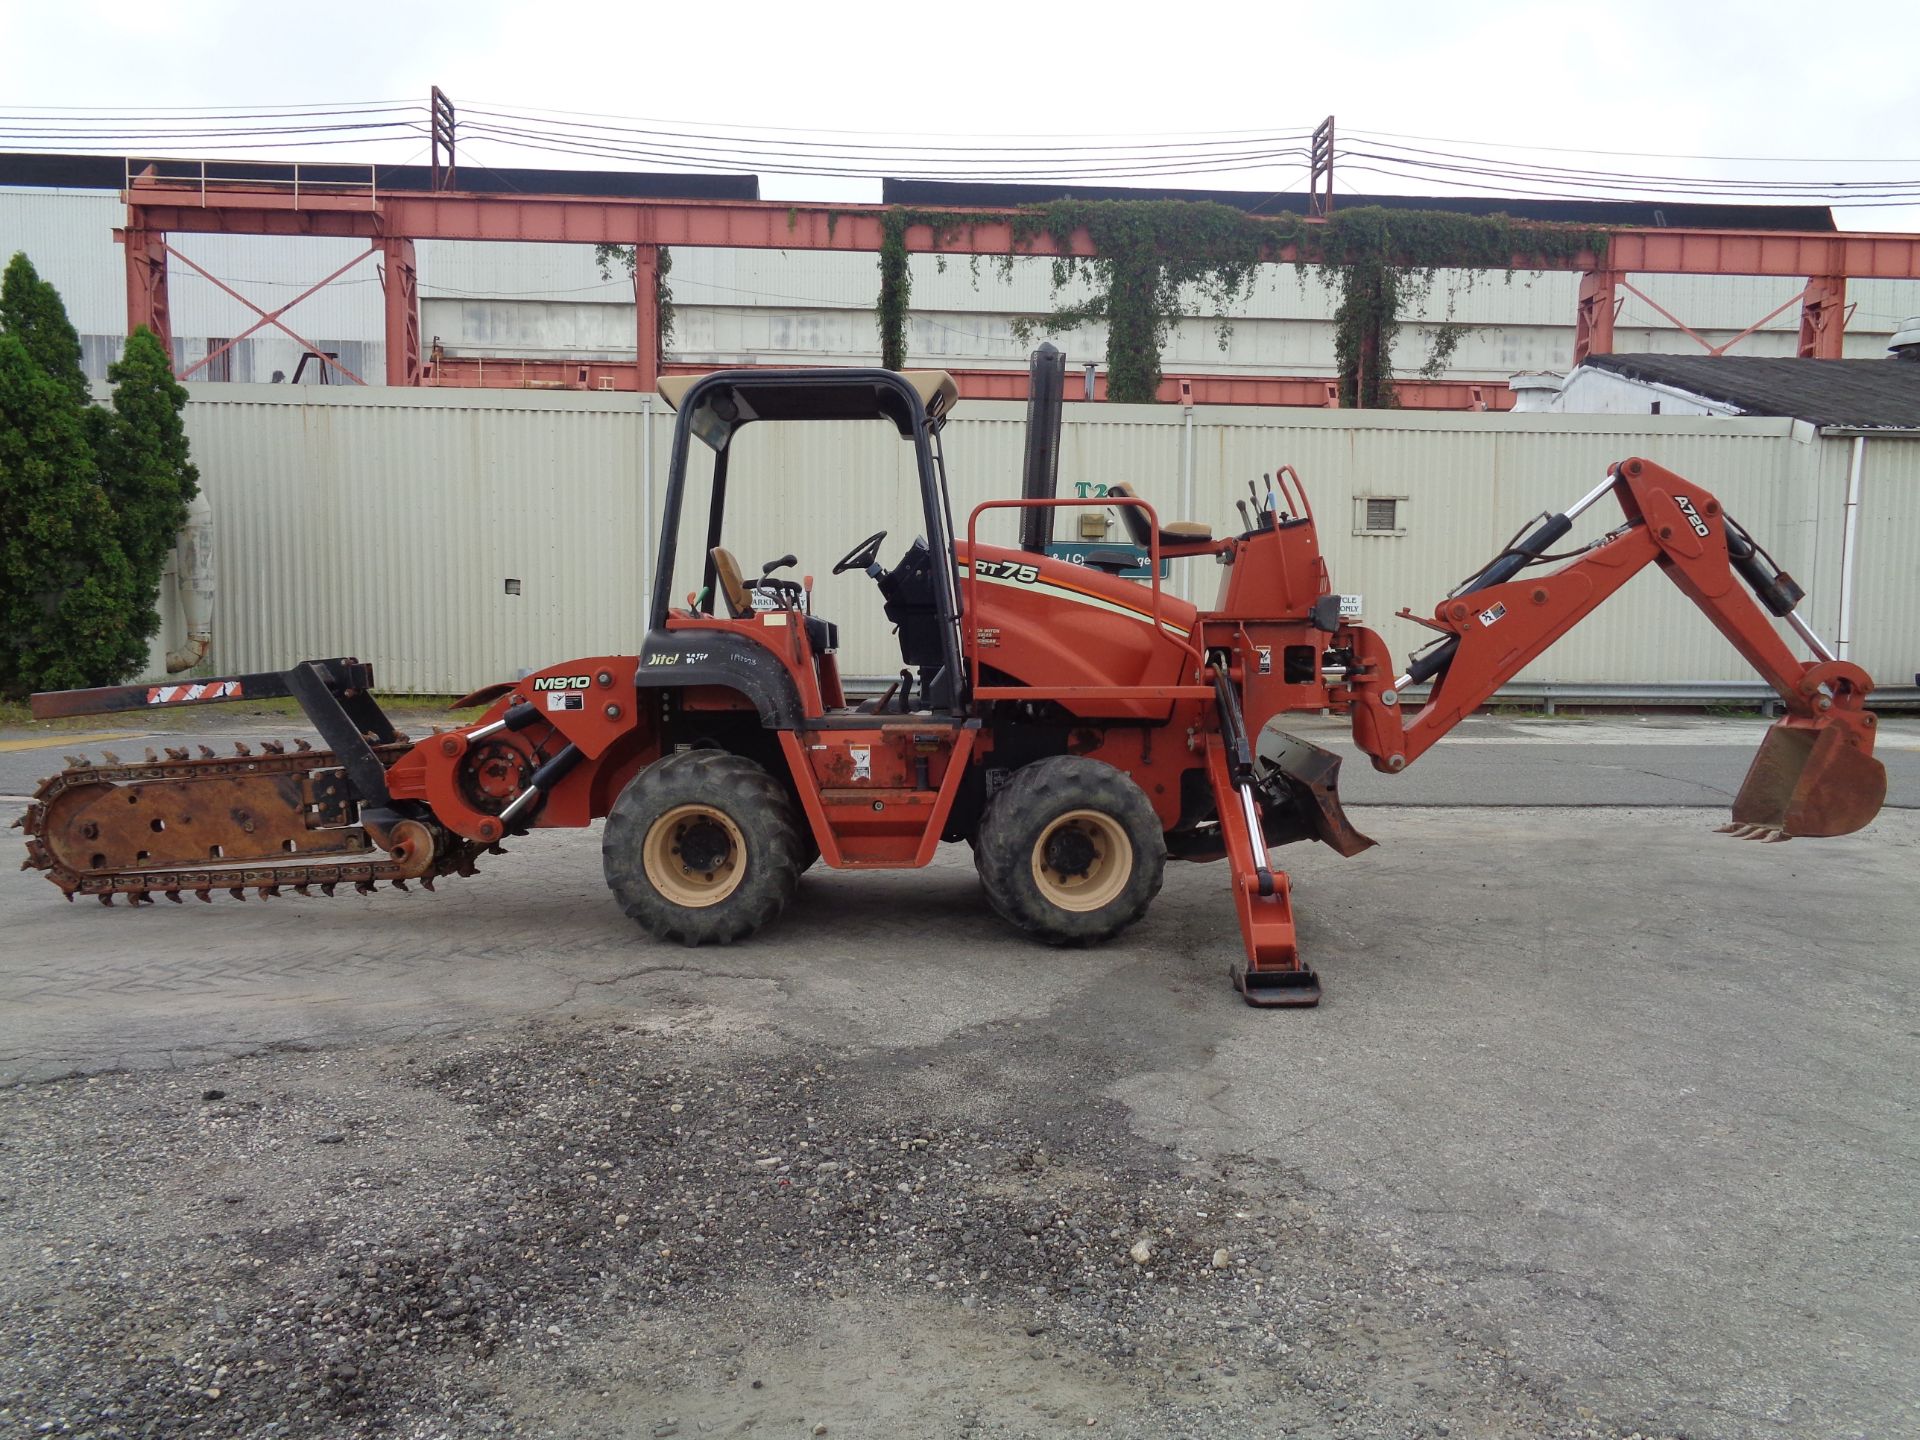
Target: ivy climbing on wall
[
  {"x": 1383, "y": 264},
  {"x": 896, "y": 276},
  {"x": 1155, "y": 257},
  {"x": 608, "y": 256}
]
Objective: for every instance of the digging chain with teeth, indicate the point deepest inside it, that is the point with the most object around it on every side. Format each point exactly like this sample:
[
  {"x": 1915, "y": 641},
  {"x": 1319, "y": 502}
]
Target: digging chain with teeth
[{"x": 53, "y": 846}]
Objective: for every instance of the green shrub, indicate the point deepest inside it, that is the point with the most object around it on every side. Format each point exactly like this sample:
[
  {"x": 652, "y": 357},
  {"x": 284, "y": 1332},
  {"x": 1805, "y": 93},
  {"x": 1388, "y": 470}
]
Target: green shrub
[{"x": 90, "y": 499}]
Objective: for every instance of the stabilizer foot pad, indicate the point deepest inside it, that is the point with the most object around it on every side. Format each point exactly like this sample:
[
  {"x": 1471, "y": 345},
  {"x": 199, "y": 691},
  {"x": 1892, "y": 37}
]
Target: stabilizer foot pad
[{"x": 1299, "y": 988}]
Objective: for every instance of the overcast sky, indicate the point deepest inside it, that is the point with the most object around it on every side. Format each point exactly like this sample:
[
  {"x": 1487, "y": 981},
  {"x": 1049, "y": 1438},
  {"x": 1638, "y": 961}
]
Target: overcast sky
[{"x": 1753, "y": 79}]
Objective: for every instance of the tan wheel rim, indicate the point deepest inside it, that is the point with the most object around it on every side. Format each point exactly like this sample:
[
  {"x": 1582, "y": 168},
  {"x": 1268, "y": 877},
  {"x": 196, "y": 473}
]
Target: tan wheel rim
[
  {"x": 1082, "y": 860},
  {"x": 695, "y": 856}
]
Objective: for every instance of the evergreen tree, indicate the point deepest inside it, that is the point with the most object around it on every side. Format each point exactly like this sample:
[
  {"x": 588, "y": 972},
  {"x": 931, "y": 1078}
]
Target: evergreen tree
[
  {"x": 144, "y": 469},
  {"x": 66, "y": 589},
  {"x": 30, "y": 309}
]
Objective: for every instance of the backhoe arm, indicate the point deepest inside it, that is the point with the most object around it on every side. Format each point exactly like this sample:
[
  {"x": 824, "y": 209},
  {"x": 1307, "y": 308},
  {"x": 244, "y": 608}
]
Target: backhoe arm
[{"x": 1814, "y": 776}]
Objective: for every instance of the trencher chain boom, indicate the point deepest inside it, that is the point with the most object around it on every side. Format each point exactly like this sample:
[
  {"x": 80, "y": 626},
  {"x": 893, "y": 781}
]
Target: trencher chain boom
[{"x": 1079, "y": 729}]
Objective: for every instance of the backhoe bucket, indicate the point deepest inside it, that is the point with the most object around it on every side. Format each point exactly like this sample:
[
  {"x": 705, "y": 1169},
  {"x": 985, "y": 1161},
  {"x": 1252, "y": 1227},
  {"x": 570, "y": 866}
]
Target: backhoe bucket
[
  {"x": 1813, "y": 778},
  {"x": 1307, "y": 779}
]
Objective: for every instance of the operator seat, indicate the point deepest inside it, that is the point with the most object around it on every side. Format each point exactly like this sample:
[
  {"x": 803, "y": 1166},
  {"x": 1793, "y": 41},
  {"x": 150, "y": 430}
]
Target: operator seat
[
  {"x": 822, "y": 635},
  {"x": 1177, "y": 537},
  {"x": 733, "y": 588}
]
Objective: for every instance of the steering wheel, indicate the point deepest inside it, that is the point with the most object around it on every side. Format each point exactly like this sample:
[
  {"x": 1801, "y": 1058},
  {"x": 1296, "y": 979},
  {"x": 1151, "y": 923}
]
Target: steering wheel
[{"x": 862, "y": 555}]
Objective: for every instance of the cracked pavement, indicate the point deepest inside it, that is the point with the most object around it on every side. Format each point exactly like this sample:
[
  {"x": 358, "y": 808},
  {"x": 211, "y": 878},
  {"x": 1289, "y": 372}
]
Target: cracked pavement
[{"x": 1634, "y": 1104}]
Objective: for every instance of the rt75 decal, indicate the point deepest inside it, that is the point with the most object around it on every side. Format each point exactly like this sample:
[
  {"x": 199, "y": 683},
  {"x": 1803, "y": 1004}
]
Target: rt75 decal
[{"x": 1007, "y": 570}]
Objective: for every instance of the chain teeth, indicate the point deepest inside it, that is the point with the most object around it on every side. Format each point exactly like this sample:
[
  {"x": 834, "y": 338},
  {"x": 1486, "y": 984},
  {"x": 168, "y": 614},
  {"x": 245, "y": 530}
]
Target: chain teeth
[{"x": 267, "y": 880}]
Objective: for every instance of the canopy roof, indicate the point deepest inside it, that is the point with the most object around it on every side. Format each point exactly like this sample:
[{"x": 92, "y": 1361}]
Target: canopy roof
[{"x": 728, "y": 399}]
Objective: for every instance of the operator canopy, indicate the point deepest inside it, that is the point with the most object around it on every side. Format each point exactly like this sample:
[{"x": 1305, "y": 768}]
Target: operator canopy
[{"x": 727, "y": 399}]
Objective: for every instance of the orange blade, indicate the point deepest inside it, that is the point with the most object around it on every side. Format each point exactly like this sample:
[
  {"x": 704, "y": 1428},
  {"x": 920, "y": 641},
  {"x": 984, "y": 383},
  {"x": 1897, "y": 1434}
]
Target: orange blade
[{"x": 1814, "y": 777}]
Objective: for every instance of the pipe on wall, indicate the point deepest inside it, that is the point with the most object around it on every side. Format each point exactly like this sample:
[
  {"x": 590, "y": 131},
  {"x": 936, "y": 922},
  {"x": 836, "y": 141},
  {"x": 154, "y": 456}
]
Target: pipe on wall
[{"x": 1849, "y": 546}]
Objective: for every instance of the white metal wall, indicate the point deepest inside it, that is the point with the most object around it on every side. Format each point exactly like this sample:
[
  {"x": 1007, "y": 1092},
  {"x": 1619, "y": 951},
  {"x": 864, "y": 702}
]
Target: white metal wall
[{"x": 385, "y": 523}]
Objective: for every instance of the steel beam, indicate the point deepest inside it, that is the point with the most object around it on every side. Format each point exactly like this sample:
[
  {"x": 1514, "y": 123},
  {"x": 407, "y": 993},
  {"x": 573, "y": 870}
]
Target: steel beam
[
  {"x": 401, "y": 277},
  {"x": 767, "y": 225},
  {"x": 147, "y": 304},
  {"x": 646, "y": 315},
  {"x": 1823, "y": 310},
  {"x": 502, "y": 373},
  {"x": 1593, "y": 319}
]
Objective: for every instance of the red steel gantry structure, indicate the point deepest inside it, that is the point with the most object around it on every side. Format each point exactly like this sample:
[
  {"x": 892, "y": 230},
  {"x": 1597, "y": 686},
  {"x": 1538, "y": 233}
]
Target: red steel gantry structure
[{"x": 392, "y": 221}]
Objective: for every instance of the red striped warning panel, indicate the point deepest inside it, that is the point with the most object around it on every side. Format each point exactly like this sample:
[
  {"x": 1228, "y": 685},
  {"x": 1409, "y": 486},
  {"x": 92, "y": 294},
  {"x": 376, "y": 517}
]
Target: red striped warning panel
[{"x": 187, "y": 694}]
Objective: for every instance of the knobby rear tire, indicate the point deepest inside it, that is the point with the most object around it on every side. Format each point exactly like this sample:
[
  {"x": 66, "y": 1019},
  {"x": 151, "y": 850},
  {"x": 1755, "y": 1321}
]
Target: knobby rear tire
[
  {"x": 735, "y": 815},
  {"x": 1118, "y": 838}
]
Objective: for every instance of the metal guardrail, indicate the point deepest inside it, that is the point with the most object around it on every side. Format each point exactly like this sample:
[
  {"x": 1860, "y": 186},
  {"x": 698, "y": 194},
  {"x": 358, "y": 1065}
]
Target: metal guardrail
[{"x": 202, "y": 177}]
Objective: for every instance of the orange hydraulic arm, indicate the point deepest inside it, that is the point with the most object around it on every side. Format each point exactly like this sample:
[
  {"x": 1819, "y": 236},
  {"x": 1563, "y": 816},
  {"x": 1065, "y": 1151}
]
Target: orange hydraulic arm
[{"x": 1815, "y": 775}]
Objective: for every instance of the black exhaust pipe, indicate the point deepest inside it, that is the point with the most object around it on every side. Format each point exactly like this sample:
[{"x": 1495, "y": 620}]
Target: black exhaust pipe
[{"x": 1040, "y": 478}]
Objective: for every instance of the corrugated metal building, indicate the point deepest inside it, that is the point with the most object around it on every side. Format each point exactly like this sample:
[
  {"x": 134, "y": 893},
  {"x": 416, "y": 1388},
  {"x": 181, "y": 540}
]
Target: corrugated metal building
[{"x": 386, "y": 523}]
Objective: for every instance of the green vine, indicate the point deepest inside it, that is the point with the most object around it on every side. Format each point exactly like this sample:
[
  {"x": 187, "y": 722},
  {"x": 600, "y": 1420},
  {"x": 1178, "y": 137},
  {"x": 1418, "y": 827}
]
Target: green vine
[
  {"x": 1384, "y": 263},
  {"x": 896, "y": 275},
  {"x": 1150, "y": 254},
  {"x": 608, "y": 256}
]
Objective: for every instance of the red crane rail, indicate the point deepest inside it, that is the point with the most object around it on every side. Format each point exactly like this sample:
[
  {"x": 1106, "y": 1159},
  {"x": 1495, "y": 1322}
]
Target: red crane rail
[{"x": 393, "y": 221}]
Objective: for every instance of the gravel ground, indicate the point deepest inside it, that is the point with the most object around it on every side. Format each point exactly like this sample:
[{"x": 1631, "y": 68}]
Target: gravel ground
[
  {"x": 1607, "y": 1127},
  {"x": 679, "y": 1228}
]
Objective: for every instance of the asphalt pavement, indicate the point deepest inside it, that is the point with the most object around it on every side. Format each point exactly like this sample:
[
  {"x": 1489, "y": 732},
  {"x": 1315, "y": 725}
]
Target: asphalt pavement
[{"x": 1619, "y": 1112}]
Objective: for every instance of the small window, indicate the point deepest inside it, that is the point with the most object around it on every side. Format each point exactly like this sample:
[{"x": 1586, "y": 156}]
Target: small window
[{"x": 1379, "y": 515}]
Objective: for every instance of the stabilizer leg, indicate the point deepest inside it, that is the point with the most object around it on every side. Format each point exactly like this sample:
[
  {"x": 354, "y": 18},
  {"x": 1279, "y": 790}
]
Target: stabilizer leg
[{"x": 1271, "y": 972}]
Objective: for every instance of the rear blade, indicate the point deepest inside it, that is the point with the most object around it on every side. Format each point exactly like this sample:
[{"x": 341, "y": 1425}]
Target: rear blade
[
  {"x": 1814, "y": 777},
  {"x": 1310, "y": 777}
]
